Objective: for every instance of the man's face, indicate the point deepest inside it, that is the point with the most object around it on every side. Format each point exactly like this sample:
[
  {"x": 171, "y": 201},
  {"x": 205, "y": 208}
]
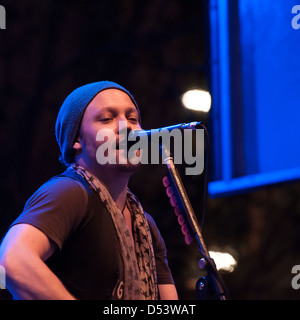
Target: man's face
[{"x": 111, "y": 109}]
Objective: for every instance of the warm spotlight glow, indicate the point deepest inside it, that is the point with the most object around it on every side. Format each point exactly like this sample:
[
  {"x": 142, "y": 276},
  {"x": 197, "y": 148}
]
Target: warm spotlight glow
[
  {"x": 224, "y": 261},
  {"x": 198, "y": 100}
]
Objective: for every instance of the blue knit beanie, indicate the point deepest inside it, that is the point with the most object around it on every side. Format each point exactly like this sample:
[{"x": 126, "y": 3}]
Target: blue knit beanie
[{"x": 71, "y": 112}]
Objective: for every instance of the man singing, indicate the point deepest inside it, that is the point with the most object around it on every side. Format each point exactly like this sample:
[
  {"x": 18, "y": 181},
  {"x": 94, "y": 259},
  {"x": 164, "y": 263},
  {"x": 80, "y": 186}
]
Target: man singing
[{"x": 83, "y": 234}]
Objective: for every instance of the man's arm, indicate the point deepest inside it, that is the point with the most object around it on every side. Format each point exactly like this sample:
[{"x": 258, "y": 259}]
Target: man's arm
[
  {"x": 167, "y": 292},
  {"x": 22, "y": 253}
]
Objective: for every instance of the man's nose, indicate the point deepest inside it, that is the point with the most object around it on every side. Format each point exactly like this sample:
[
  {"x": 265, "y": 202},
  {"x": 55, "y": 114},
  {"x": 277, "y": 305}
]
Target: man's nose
[{"x": 123, "y": 126}]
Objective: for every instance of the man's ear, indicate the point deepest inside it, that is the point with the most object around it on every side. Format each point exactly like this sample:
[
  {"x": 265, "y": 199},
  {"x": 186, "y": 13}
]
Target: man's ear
[{"x": 77, "y": 145}]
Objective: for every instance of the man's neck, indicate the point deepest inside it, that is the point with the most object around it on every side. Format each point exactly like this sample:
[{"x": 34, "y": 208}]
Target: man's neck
[
  {"x": 114, "y": 179},
  {"x": 116, "y": 185}
]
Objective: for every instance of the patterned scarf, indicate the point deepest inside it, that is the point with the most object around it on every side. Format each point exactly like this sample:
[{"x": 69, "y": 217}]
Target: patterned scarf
[{"x": 140, "y": 280}]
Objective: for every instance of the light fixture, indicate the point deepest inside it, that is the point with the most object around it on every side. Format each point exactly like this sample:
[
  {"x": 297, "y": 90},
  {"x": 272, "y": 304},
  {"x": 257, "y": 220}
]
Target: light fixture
[
  {"x": 223, "y": 260},
  {"x": 196, "y": 99}
]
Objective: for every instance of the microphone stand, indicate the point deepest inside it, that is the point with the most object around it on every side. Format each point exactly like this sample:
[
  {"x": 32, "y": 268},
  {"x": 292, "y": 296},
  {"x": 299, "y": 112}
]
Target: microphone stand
[{"x": 211, "y": 286}]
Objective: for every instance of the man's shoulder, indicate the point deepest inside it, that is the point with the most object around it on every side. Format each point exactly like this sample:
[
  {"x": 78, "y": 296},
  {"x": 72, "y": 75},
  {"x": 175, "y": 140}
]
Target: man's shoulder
[
  {"x": 56, "y": 208},
  {"x": 60, "y": 187}
]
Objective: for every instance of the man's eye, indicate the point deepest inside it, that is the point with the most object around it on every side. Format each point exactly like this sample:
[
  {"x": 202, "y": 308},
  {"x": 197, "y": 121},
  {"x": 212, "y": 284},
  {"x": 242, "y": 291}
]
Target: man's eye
[
  {"x": 133, "y": 119},
  {"x": 105, "y": 119}
]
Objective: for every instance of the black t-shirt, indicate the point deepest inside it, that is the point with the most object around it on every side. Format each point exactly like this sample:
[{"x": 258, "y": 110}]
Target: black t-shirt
[{"x": 88, "y": 261}]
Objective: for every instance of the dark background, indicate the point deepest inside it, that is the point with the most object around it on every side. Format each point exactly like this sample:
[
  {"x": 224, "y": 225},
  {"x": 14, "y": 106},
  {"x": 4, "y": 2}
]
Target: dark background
[{"x": 157, "y": 50}]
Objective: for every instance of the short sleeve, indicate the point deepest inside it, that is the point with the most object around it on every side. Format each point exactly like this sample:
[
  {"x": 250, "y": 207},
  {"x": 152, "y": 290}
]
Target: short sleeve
[
  {"x": 56, "y": 208},
  {"x": 164, "y": 275}
]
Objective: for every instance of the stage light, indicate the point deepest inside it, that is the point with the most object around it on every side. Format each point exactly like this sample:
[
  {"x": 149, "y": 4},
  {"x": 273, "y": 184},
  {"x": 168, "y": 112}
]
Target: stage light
[
  {"x": 196, "y": 99},
  {"x": 223, "y": 260}
]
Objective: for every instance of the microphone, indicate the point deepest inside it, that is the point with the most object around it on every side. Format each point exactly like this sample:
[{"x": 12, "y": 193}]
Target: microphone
[{"x": 153, "y": 132}]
